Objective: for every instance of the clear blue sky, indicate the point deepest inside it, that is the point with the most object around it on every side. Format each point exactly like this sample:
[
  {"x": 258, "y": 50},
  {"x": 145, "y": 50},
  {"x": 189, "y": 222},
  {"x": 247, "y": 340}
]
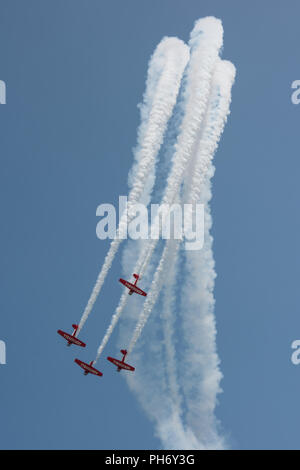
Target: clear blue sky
[{"x": 75, "y": 72}]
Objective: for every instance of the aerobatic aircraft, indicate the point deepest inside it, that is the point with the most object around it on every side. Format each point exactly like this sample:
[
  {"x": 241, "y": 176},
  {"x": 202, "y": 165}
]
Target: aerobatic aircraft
[
  {"x": 121, "y": 364},
  {"x": 71, "y": 338},
  {"x": 133, "y": 287},
  {"x": 88, "y": 368}
]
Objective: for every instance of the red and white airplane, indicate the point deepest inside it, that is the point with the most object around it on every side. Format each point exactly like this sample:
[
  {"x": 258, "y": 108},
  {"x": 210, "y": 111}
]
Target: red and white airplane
[
  {"x": 71, "y": 338},
  {"x": 121, "y": 364},
  {"x": 133, "y": 287},
  {"x": 88, "y": 368}
]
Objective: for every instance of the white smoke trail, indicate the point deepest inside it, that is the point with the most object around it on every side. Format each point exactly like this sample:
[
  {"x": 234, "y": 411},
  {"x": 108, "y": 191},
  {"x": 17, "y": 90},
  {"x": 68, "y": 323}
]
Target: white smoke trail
[
  {"x": 200, "y": 364},
  {"x": 114, "y": 321},
  {"x": 168, "y": 321},
  {"x": 200, "y": 375},
  {"x": 194, "y": 432},
  {"x": 164, "y": 77},
  {"x": 206, "y": 41},
  {"x": 200, "y": 409},
  {"x": 165, "y": 72},
  {"x": 215, "y": 119},
  {"x": 150, "y": 299}
]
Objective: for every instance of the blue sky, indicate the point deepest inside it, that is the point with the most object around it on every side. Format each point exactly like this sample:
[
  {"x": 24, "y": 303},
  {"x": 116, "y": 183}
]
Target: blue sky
[{"x": 75, "y": 72}]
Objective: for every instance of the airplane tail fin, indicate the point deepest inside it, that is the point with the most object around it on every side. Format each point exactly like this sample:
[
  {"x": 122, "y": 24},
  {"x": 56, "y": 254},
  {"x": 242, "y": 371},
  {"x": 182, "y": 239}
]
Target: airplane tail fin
[
  {"x": 75, "y": 327},
  {"x": 124, "y": 351},
  {"x": 136, "y": 276}
]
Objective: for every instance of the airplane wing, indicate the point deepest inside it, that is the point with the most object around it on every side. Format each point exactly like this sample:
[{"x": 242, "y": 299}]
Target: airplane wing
[
  {"x": 126, "y": 283},
  {"x": 139, "y": 291}
]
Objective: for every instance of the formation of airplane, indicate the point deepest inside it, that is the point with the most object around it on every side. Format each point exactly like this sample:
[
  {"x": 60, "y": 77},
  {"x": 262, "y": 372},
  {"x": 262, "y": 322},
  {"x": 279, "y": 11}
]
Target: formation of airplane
[{"x": 120, "y": 364}]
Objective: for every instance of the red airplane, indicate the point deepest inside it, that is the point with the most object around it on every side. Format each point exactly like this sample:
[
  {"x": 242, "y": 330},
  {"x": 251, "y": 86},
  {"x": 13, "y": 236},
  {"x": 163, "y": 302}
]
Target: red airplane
[
  {"x": 88, "y": 368},
  {"x": 71, "y": 338},
  {"x": 121, "y": 364},
  {"x": 133, "y": 287}
]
